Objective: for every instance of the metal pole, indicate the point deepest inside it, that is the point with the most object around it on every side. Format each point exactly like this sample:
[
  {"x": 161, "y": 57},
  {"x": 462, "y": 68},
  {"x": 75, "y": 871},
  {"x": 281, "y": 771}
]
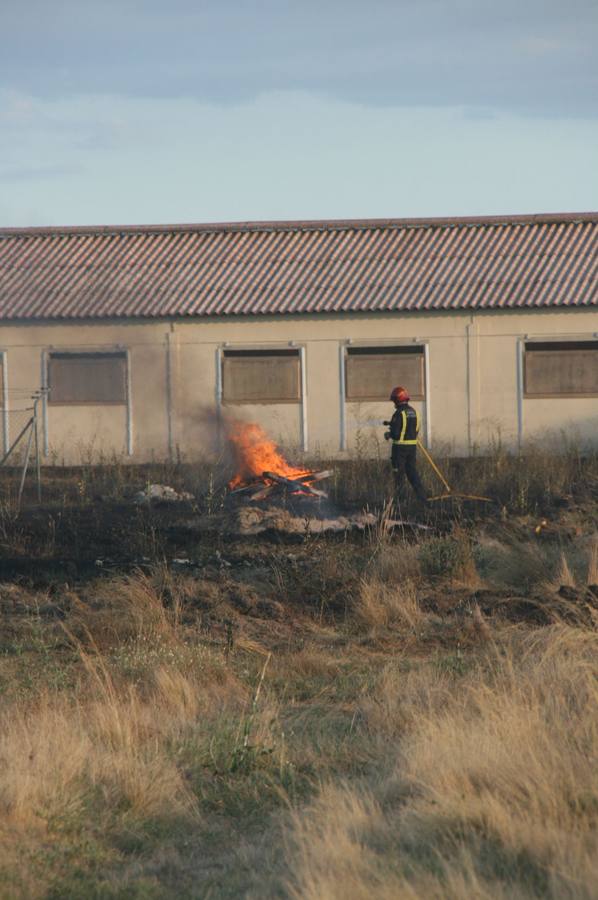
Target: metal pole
[
  {"x": 26, "y": 463},
  {"x": 129, "y": 423},
  {"x": 218, "y": 398},
  {"x": 468, "y": 376},
  {"x": 427, "y": 395},
  {"x": 38, "y": 473},
  {"x": 304, "y": 438},
  {"x": 343, "y": 401},
  {"x": 169, "y": 397},
  {"x": 520, "y": 390},
  {"x": 44, "y": 380},
  {"x": 5, "y": 425},
  {"x": 15, "y": 442}
]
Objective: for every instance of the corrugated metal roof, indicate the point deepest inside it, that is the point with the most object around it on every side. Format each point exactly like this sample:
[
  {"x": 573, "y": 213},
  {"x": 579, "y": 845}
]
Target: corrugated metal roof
[{"x": 284, "y": 268}]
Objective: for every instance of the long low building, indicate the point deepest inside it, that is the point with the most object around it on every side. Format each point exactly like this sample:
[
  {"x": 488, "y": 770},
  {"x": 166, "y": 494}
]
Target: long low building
[{"x": 143, "y": 340}]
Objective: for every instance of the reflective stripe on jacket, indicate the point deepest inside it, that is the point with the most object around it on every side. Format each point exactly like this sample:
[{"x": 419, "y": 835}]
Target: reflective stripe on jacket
[{"x": 404, "y": 426}]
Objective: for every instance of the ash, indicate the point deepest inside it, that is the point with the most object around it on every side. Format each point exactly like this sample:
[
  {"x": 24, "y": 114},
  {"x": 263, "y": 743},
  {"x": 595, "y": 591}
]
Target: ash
[{"x": 310, "y": 519}]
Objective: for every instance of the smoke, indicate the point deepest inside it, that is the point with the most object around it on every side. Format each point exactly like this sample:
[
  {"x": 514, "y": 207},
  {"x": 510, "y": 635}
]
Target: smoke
[
  {"x": 218, "y": 437},
  {"x": 212, "y": 429}
]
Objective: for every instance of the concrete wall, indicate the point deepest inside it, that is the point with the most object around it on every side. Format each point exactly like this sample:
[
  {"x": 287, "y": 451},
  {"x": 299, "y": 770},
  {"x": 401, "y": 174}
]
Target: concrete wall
[{"x": 472, "y": 390}]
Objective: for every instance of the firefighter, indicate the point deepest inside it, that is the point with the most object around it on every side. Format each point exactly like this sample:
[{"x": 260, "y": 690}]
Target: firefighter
[{"x": 403, "y": 432}]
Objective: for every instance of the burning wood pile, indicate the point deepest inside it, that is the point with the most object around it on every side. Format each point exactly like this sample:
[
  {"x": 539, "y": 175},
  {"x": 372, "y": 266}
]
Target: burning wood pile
[{"x": 263, "y": 472}]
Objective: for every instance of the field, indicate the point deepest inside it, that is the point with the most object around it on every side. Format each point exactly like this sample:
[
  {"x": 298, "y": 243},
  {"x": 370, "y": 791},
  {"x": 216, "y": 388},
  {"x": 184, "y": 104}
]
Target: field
[{"x": 188, "y": 712}]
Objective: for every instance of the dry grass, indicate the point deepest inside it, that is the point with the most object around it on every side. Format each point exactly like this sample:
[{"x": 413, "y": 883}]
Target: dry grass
[
  {"x": 155, "y": 731},
  {"x": 429, "y": 777},
  {"x": 451, "y": 556},
  {"x": 564, "y": 575},
  {"x": 526, "y": 482},
  {"x": 380, "y": 605},
  {"x": 592, "y": 572},
  {"x": 377, "y": 737},
  {"x": 525, "y": 564},
  {"x": 111, "y": 753},
  {"x": 124, "y": 609},
  {"x": 493, "y": 793},
  {"x": 396, "y": 561}
]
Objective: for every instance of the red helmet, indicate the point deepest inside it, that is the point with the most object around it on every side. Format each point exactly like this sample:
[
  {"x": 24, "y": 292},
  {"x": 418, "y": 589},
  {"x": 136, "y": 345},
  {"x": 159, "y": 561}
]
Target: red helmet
[{"x": 399, "y": 395}]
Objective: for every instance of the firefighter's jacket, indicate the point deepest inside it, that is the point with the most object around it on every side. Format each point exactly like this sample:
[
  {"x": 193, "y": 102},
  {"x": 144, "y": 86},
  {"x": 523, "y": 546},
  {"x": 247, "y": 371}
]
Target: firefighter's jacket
[{"x": 404, "y": 426}]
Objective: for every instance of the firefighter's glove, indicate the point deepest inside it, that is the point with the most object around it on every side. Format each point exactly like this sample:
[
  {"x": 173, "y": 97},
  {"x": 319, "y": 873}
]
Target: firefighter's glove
[
  {"x": 385, "y": 422},
  {"x": 387, "y": 435}
]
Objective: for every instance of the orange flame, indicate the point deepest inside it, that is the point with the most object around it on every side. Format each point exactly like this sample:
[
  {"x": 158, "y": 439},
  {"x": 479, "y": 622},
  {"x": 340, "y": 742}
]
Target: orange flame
[{"x": 255, "y": 454}]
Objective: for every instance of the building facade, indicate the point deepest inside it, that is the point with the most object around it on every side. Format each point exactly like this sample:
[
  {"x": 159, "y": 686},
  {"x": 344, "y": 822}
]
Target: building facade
[{"x": 143, "y": 340}]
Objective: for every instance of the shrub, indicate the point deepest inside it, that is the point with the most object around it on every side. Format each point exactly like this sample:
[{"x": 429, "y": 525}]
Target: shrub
[{"x": 450, "y": 556}]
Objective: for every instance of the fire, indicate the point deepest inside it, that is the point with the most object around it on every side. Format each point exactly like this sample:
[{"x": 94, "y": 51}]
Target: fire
[{"x": 255, "y": 454}]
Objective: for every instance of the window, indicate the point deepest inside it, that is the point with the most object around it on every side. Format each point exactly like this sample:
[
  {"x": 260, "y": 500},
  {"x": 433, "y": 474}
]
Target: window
[
  {"x": 87, "y": 378},
  {"x": 261, "y": 376},
  {"x": 567, "y": 369},
  {"x": 372, "y": 372}
]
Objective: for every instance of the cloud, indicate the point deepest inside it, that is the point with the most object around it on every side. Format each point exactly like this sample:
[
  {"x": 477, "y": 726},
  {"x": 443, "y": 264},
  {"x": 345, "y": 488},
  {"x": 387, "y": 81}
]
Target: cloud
[
  {"x": 539, "y": 46},
  {"x": 292, "y": 155},
  {"x": 533, "y": 57},
  {"x": 37, "y": 172}
]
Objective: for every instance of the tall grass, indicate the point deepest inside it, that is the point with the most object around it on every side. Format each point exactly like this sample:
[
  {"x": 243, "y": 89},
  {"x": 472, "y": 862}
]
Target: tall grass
[
  {"x": 380, "y": 606},
  {"x": 529, "y": 480},
  {"x": 428, "y": 778},
  {"x": 378, "y": 737},
  {"x": 491, "y": 789}
]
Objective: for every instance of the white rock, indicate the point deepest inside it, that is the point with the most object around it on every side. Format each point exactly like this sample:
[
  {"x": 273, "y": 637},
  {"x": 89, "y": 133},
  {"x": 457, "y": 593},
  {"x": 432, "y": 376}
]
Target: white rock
[{"x": 161, "y": 492}]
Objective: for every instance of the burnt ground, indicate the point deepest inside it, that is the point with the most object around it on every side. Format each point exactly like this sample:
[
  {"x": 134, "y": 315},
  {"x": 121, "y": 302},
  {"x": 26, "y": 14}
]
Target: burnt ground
[
  {"x": 287, "y": 569},
  {"x": 511, "y": 559}
]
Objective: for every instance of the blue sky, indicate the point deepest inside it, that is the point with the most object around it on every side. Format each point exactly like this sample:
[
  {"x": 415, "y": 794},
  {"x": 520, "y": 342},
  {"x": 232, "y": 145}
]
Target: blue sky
[{"x": 141, "y": 111}]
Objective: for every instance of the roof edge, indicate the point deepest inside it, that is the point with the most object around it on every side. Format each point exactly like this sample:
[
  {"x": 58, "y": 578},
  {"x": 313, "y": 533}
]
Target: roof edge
[
  {"x": 194, "y": 318},
  {"x": 304, "y": 224}
]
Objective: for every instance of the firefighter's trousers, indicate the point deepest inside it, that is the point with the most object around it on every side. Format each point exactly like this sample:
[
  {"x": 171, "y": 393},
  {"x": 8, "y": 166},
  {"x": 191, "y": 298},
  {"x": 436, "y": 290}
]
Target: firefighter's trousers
[{"x": 403, "y": 461}]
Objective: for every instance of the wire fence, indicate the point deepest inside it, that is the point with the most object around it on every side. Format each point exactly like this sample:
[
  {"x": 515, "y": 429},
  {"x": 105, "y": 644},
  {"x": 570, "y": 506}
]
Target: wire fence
[{"x": 20, "y": 451}]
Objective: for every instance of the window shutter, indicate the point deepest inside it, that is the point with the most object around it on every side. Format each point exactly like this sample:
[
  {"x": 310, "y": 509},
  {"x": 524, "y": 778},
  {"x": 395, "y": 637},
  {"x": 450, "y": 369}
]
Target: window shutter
[
  {"x": 561, "y": 369},
  {"x": 87, "y": 378},
  {"x": 261, "y": 377},
  {"x": 371, "y": 373}
]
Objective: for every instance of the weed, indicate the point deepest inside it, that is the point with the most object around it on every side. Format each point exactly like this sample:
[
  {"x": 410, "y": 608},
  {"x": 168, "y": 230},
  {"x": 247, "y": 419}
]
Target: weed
[
  {"x": 244, "y": 752},
  {"x": 450, "y": 556}
]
